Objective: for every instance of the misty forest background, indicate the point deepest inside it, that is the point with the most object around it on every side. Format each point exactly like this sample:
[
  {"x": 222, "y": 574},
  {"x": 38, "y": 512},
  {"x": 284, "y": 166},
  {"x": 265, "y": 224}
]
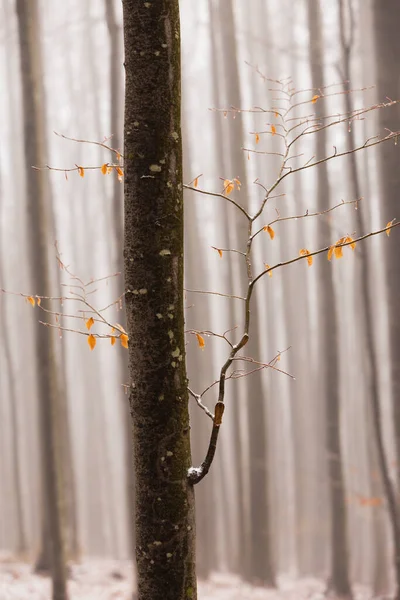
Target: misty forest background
[{"x": 298, "y": 463}]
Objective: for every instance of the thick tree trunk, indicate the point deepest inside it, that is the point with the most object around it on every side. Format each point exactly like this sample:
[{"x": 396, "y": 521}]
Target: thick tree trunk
[
  {"x": 38, "y": 219},
  {"x": 165, "y": 525},
  {"x": 339, "y": 577}
]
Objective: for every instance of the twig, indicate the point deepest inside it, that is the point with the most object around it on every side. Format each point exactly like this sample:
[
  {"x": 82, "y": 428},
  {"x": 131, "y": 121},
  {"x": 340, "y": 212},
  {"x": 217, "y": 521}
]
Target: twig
[
  {"x": 218, "y": 195},
  {"x": 197, "y": 397},
  {"x": 321, "y": 251}
]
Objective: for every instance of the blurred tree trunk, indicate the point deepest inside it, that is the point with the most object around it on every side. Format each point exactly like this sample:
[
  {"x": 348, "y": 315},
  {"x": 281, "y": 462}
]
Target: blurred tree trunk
[
  {"x": 387, "y": 40},
  {"x": 21, "y": 534},
  {"x": 306, "y": 406},
  {"x": 116, "y": 111},
  {"x": 237, "y": 555},
  {"x": 199, "y": 366},
  {"x": 257, "y": 562},
  {"x": 116, "y": 123},
  {"x": 153, "y": 255},
  {"x": 339, "y": 577},
  {"x": 37, "y": 189}
]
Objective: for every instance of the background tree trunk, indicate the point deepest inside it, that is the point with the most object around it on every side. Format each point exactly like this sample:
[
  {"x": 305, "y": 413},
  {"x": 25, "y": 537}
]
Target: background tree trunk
[
  {"x": 387, "y": 40},
  {"x": 255, "y": 555},
  {"x": 116, "y": 110},
  {"x": 339, "y": 577},
  {"x": 21, "y": 534},
  {"x": 37, "y": 187}
]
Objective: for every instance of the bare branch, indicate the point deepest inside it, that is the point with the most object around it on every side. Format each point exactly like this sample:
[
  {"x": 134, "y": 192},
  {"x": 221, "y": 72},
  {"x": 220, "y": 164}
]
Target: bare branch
[
  {"x": 321, "y": 251},
  {"x": 101, "y": 144},
  {"x": 197, "y": 397},
  {"x": 307, "y": 214},
  {"x": 215, "y": 294},
  {"x": 218, "y": 195}
]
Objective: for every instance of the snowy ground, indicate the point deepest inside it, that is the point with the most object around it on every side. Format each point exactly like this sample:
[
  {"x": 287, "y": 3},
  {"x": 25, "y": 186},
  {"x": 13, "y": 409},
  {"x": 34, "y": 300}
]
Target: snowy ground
[{"x": 112, "y": 580}]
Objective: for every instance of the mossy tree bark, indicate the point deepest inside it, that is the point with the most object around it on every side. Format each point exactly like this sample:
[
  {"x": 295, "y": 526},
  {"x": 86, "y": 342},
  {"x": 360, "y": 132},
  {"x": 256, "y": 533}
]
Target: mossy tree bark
[
  {"x": 38, "y": 218},
  {"x": 153, "y": 255}
]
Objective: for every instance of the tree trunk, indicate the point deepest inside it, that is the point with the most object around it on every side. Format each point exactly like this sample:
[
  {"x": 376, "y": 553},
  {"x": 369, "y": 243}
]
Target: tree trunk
[
  {"x": 257, "y": 561},
  {"x": 239, "y": 553},
  {"x": 387, "y": 24},
  {"x": 387, "y": 40},
  {"x": 21, "y": 533},
  {"x": 339, "y": 578},
  {"x": 38, "y": 219},
  {"x": 165, "y": 525},
  {"x": 116, "y": 110}
]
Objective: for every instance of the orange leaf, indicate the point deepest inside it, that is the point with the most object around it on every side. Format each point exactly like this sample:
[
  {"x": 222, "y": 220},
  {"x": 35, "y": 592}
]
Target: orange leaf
[
  {"x": 338, "y": 250},
  {"x": 113, "y": 340},
  {"x": 118, "y": 156},
  {"x": 269, "y": 272},
  {"x": 91, "y": 341},
  {"x": 31, "y": 300},
  {"x": 388, "y": 226},
  {"x": 104, "y": 169},
  {"x": 38, "y": 300},
  {"x": 305, "y": 252},
  {"x": 228, "y": 186},
  {"x": 270, "y": 231},
  {"x": 257, "y": 138},
  {"x": 315, "y": 98},
  {"x": 238, "y": 183},
  {"x": 89, "y": 323},
  {"x": 196, "y": 182},
  {"x": 81, "y": 171},
  {"x": 124, "y": 340},
  {"x": 120, "y": 173},
  {"x": 352, "y": 243},
  {"x": 200, "y": 341},
  {"x": 273, "y": 129},
  {"x": 276, "y": 115},
  {"x": 330, "y": 252},
  {"x": 218, "y": 250}
]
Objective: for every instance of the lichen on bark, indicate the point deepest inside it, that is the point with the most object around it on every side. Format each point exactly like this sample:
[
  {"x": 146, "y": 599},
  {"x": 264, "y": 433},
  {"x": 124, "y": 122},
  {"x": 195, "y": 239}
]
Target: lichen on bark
[{"x": 153, "y": 254}]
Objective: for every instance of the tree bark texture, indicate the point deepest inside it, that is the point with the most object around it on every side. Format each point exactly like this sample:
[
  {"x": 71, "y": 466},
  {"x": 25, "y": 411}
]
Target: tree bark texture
[
  {"x": 154, "y": 301},
  {"x": 38, "y": 219}
]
